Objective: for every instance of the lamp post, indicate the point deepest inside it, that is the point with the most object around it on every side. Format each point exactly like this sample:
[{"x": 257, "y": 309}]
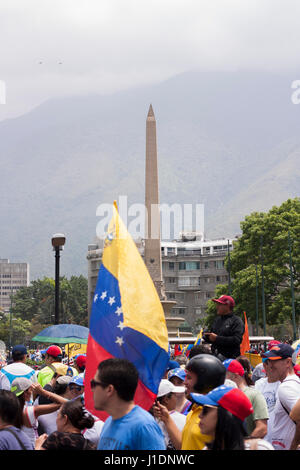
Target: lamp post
[{"x": 58, "y": 241}]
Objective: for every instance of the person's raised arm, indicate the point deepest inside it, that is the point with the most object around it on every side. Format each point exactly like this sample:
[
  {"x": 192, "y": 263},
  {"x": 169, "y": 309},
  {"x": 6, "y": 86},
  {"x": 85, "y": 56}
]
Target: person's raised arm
[
  {"x": 175, "y": 435},
  {"x": 39, "y": 390}
]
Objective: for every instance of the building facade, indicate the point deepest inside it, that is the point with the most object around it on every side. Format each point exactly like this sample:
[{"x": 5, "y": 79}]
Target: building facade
[
  {"x": 192, "y": 267},
  {"x": 13, "y": 276}
]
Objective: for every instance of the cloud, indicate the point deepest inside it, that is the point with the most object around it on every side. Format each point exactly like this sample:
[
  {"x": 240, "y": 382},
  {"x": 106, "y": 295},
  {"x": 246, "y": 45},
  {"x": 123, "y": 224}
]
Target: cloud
[{"x": 58, "y": 47}]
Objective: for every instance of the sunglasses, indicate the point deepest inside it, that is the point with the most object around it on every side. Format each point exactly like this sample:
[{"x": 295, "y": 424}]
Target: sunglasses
[
  {"x": 94, "y": 383},
  {"x": 75, "y": 387},
  {"x": 206, "y": 409}
]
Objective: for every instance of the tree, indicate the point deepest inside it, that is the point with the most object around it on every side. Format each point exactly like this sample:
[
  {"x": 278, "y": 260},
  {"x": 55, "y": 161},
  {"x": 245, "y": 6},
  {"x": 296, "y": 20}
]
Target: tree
[
  {"x": 265, "y": 236},
  {"x": 21, "y": 331},
  {"x": 36, "y": 303}
]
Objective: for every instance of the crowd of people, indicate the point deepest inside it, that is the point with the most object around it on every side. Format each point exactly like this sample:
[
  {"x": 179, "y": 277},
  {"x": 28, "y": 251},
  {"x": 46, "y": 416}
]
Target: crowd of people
[{"x": 206, "y": 401}]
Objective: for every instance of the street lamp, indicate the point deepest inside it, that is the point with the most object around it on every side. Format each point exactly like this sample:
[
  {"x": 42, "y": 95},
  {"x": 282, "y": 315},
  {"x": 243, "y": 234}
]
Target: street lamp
[{"x": 58, "y": 241}]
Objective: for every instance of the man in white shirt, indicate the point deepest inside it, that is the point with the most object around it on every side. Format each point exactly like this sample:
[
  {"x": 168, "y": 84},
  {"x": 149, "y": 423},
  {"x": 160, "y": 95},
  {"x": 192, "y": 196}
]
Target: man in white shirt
[
  {"x": 268, "y": 387},
  {"x": 19, "y": 368},
  {"x": 281, "y": 368}
]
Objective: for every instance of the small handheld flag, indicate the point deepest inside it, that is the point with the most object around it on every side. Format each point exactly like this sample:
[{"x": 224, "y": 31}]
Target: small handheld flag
[{"x": 127, "y": 319}]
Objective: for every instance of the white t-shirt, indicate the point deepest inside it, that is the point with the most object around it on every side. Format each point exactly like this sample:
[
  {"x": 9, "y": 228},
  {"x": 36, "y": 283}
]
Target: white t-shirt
[
  {"x": 31, "y": 432},
  {"x": 260, "y": 444},
  {"x": 283, "y": 428},
  {"x": 179, "y": 419},
  {"x": 269, "y": 391},
  {"x": 4, "y": 382},
  {"x": 93, "y": 434},
  {"x": 19, "y": 369}
]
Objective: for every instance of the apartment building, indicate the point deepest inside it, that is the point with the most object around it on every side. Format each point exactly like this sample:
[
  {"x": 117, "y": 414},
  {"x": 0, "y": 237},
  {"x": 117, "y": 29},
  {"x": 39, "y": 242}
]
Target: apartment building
[{"x": 13, "y": 276}]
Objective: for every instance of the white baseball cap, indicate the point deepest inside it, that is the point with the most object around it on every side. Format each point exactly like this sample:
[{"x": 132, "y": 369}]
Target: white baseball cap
[{"x": 166, "y": 387}]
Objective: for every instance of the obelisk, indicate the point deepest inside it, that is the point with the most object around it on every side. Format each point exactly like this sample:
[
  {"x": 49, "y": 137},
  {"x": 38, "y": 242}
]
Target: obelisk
[{"x": 152, "y": 253}]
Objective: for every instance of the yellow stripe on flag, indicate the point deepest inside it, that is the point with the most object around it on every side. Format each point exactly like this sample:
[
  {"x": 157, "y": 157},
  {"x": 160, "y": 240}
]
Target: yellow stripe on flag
[{"x": 141, "y": 306}]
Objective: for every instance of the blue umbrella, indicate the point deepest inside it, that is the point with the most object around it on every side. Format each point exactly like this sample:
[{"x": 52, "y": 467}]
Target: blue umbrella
[{"x": 63, "y": 334}]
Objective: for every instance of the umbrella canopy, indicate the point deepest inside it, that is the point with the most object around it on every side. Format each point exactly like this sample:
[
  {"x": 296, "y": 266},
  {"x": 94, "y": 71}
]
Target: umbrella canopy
[{"x": 63, "y": 334}]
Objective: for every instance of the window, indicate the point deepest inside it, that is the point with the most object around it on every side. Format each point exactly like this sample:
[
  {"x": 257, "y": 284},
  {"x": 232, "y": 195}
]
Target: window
[
  {"x": 218, "y": 278},
  {"x": 171, "y": 280},
  {"x": 198, "y": 311},
  {"x": 171, "y": 266},
  {"x": 219, "y": 264},
  {"x": 171, "y": 295},
  {"x": 181, "y": 311},
  {"x": 206, "y": 264},
  {"x": 188, "y": 281},
  {"x": 189, "y": 265}
]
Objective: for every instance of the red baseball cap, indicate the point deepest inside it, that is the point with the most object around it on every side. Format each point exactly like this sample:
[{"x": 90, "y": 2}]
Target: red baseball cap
[
  {"x": 54, "y": 351},
  {"x": 232, "y": 399},
  {"x": 272, "y": 343},
  {"x": 225, "y": 300},
  {"x": 232, "y": 365},
  {"x": 80, "y": 360}
]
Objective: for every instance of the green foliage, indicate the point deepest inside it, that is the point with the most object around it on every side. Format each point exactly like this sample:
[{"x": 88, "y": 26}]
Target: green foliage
[
  {"x": 20, "y": 331},
  {"x": 274, "y": 228},
  {"x": 36, "y": 303}
]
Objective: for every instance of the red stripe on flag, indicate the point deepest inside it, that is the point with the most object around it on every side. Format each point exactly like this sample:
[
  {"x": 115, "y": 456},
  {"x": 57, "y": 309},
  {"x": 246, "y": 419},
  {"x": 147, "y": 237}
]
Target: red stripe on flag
[{"x": 94, "y": 355}]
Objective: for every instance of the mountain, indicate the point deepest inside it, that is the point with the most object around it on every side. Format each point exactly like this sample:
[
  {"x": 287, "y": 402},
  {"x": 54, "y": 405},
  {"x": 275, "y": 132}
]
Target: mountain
[{"x": 228, "y": 140}]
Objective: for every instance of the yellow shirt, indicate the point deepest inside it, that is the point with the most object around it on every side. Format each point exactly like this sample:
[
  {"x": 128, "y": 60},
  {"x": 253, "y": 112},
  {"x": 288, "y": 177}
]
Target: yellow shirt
[{"x": 192, "y": 438}]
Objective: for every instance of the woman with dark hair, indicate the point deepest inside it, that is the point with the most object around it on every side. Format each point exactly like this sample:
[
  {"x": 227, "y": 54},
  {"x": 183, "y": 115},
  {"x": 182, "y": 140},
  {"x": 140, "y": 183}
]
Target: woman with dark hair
[
  {"x": 11, "y": 420},
  {"x": 246, "y": 364},
  {"x": 224, "y": 411},
  {"x": 71, "y": 420}
]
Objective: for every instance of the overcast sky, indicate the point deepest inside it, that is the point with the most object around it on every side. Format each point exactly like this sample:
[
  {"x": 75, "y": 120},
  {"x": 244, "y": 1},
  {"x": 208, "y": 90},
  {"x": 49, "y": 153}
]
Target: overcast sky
[{"x": 52, "y": 48}]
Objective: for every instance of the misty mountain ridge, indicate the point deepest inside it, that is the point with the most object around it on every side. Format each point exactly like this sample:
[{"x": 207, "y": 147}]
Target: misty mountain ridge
[{"x": 228, "y": 140}]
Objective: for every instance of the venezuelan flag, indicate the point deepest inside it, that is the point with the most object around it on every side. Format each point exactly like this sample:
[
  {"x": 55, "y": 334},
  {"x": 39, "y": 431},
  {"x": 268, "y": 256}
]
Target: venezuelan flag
[{"x": 127, "y": 319}]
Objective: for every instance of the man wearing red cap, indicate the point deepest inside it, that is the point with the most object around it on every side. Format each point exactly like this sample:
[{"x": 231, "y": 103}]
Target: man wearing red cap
[
  {"x": 227, "y": 330},
  {"x": 53, "y": 356}
]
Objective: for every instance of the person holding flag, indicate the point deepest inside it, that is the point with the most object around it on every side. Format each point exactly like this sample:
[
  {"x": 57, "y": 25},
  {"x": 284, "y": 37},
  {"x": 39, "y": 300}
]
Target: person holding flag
[{"x": 127, "y": 320}]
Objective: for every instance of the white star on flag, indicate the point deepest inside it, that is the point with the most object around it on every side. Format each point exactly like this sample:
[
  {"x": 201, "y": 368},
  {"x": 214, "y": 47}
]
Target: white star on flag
[
  {"x": 119, "y": 341},
  {"x": 119, "y": 311},
  {"x": 103, "y": 295},
  {"x": 96, "y": 297},
  {"x": 121, "y": 326},
  {"x": 111, "y": 301}
]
